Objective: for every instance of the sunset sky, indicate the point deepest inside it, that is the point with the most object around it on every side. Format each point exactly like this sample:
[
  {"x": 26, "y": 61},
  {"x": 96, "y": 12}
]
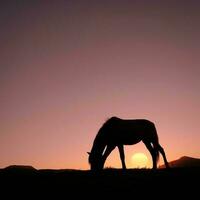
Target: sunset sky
[{"x": 67, "y": 66}]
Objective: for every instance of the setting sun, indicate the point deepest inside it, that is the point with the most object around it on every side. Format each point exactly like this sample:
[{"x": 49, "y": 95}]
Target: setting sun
[{"x": 139, "y": 160}]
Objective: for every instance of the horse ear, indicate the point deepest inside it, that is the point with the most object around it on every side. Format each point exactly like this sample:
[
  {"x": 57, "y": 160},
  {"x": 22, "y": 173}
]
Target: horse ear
[{"x": 88, "y": 153}]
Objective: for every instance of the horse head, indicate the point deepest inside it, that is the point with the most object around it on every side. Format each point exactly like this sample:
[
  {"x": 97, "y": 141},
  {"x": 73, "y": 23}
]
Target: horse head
[{"x": 95, "y": 161}]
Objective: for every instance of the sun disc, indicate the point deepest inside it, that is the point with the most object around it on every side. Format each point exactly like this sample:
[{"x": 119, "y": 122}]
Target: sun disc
[{"x": 139, "y": 160}]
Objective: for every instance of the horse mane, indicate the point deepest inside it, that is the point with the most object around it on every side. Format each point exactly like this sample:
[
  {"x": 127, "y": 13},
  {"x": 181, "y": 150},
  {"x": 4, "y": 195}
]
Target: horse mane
[
  {"x": 99, "y": 141},
  {"x": 110, "y": 120},
  {"x": 107, "y": 124}
]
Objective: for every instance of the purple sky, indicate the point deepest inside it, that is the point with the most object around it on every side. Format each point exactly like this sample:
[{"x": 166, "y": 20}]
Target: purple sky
[{"x": 67, "y": 66}]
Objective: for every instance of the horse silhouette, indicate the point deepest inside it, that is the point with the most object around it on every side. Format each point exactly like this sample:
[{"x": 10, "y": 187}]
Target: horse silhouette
[{"x": 116, "y": 132}]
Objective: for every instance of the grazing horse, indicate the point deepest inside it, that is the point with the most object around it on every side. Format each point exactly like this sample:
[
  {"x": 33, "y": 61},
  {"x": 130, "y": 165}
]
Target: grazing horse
[{"x": 119, "y": 132}]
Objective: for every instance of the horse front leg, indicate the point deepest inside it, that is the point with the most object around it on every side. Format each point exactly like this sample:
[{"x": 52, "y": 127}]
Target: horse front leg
[
  {"x": 107, "y": 152},
  {"x": 122, "y": 156}
]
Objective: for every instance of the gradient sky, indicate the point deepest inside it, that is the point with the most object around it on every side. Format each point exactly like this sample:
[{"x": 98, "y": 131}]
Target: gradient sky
[{"x": 67, "y": 66}]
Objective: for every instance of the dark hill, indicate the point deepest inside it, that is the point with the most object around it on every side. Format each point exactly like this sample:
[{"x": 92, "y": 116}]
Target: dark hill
[
  {"x": 20, "y": 168},
  {"x": 184, "y": 161}
]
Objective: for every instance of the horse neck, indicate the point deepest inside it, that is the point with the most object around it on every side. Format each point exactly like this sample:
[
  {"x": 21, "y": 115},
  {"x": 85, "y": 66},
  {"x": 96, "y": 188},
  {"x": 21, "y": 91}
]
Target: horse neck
[{"x": 98, "y": 145}]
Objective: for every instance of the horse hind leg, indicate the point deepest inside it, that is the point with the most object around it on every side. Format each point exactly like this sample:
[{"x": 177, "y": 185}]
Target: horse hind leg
[
  {"x": 153, "y": 153},
  {"x": 161, "y": 150},
  {"x": 122, "y": 156}
]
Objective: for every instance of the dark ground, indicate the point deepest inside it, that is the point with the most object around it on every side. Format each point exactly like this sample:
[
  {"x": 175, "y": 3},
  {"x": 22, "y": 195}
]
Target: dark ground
[{"x": 110, "y": 183}]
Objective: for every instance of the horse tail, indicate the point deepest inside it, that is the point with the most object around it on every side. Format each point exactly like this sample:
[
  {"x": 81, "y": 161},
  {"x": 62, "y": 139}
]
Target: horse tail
[{"x": 155, "y": 142}]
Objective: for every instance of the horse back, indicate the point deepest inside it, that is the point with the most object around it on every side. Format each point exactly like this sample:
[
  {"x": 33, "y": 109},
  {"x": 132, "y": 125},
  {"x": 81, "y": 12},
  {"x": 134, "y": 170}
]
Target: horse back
[{"x": 130, "y": 131}]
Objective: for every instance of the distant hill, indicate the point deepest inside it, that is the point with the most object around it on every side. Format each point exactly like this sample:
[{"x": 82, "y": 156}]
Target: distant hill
[
  {"x": 24, "y": 168},
  {"x": 184, "y": 161}
]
